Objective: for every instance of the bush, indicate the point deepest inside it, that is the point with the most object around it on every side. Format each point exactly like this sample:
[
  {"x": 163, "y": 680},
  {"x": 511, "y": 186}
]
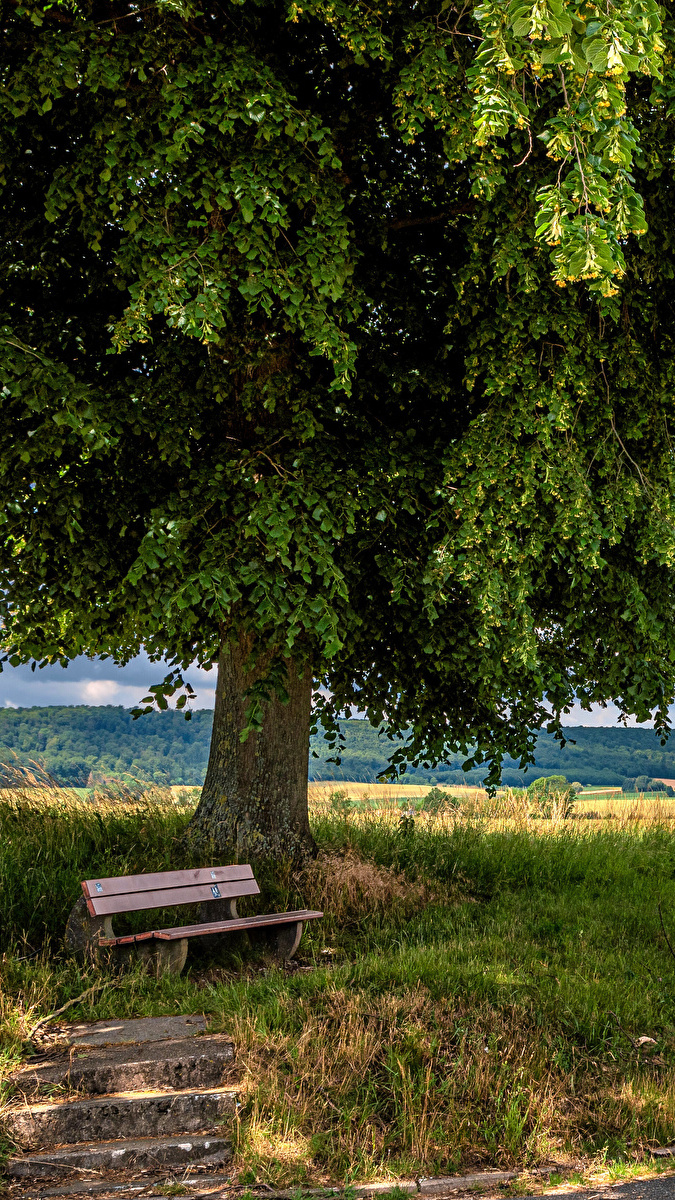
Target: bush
[
  {"x": 552, "y": 795},
  {"x": 547, "y": 783},
  {"x": 436, "y": 800},
  {"x": 339, "y": 800}
]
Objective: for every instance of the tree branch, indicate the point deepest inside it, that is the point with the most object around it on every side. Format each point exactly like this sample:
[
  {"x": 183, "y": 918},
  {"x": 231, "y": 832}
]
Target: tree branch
[{"x": 62, "y": 1009}]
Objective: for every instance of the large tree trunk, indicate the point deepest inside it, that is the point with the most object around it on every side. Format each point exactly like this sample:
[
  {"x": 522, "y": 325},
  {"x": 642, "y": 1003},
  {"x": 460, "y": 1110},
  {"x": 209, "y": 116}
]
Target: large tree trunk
[{"x": 254, "y": 799}]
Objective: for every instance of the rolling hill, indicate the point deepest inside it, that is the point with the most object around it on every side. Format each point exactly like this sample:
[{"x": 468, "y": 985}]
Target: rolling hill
[{"x": 72, "y": 742}]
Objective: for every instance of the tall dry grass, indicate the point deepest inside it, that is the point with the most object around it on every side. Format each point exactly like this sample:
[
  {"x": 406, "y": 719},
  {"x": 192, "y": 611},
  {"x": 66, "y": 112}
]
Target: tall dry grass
[
  {"x": 368, "y": 1085},
  {"x": 350, "y": 889}
]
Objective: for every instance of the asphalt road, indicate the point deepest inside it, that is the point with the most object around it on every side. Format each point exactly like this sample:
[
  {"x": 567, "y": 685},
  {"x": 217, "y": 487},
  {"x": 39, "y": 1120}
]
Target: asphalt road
[{"x": 644, "y": 1189}]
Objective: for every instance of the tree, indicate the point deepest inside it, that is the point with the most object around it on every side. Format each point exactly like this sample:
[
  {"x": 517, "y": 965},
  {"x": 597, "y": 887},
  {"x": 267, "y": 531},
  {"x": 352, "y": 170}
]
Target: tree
[
  {"x": 552, "y": 795},
  {"x": 337, "y": 350}
]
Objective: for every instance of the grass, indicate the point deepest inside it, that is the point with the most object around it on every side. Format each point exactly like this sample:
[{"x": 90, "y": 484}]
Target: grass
[{"x": 472, "y": 998}]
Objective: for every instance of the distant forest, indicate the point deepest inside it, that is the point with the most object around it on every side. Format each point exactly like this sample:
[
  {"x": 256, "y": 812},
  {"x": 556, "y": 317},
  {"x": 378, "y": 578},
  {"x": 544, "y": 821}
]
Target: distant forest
[
  {"x": 75, "y": 744},
  {"x": 72, "y": 742},
  {"x": 591, "y": 756}
]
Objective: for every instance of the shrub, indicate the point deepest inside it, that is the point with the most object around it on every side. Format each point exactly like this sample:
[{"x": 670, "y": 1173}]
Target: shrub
[
  {"x": 436, "y": 800},
  {"x": 339, "y": 801},
  {"x": 551, "y": 796}
]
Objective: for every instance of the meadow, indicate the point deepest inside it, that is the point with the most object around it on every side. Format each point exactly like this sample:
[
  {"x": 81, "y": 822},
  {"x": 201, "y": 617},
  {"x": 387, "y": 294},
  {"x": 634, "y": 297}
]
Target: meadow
[{"x": 487, "y": 988}]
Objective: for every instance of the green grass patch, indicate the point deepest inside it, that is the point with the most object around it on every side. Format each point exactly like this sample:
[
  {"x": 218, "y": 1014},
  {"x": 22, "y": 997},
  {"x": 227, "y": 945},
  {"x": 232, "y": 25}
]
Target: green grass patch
[{"x": 471, "y": 998}]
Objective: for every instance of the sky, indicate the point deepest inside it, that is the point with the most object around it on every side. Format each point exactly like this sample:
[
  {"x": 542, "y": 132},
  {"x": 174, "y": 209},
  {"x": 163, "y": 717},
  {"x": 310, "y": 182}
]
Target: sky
[{"x": 93, "y": 681}]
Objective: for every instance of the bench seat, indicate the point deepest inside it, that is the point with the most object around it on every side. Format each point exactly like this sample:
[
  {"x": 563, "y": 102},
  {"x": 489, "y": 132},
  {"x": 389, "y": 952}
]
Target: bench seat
[{"x": 231, "y": 926}]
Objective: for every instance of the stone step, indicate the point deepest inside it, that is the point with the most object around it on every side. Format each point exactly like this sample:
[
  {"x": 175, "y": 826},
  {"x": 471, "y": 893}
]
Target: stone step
[
  {"x": 134, "y": 1154},
  {"x": 121, "y": 1115},
  {"x": 135, "y": 1029},
  {"x": 182, "y": 1063}
]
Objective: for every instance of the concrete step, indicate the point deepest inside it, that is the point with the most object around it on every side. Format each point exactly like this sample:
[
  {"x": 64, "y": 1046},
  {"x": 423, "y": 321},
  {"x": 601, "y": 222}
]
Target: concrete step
[
  {"x": 121, "y": 1115},
  {"x": 134, "y": 1154},
  {"x": 182, "y": 1063},
  {"x": 136, "y": 1029}
]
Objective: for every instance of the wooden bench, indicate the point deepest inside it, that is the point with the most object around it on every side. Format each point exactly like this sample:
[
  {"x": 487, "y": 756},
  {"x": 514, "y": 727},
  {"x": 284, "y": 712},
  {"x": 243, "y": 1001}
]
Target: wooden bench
[{"x": 215, "y": 889}]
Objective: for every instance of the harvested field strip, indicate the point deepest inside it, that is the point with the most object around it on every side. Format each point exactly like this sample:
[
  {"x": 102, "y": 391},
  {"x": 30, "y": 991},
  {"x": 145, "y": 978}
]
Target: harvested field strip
[{"x": 382, "y": 793}]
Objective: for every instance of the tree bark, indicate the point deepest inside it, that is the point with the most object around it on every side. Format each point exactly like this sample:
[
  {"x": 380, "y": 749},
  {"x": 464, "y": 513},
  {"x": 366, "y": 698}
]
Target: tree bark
[{"x": 254, "y": 800}]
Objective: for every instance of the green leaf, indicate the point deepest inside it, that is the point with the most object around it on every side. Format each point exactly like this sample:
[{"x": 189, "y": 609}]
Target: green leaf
[
  {"x": 596, "y": 54},
  {"x": 247, "y": 210}
]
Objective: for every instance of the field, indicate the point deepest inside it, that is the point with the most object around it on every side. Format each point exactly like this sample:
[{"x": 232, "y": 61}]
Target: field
[
  {"x": 382, "y": 793},
  {"x": 475, "y": 995},
  {"x": 599, "y": 803}
]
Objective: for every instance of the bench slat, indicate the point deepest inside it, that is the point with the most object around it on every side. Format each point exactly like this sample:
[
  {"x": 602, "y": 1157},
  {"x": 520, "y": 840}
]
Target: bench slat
[
  {"x": 121, "y": 884},
  {"x": 101, "y": 906},
  {"x": 237, "y": 923}
]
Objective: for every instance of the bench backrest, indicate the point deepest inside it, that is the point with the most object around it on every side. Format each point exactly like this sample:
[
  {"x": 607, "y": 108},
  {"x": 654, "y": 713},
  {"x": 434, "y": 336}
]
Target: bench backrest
[{"x": 131, "y": 893}]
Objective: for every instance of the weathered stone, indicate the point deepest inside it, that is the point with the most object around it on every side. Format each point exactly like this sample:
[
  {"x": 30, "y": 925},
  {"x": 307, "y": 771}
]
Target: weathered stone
[
  {"x": 136, "y": 1153},
  {"x": 288, "y": 939},
  {"x": 83, "y": 931},
  {"x": 379, "y": 1189},
  {"x": 281, "y": 940},
  {"x": 183, "y": 1063},
  {"x": 224, "y": 909},
  {"x": 443, "y": 1184},
  {"x": 122, "y": 1115},
  {"x": 87, "y": 1186},
  {"x": 163, "y": 958},
  {"x": 140, "y": 1029},
  {"x": 206, "y": 1186}
]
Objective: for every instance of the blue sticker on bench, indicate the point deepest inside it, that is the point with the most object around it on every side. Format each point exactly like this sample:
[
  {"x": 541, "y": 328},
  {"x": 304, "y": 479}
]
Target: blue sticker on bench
[
  {"x": 215, "y": 891},
  {"x": 99, "y": 887}
]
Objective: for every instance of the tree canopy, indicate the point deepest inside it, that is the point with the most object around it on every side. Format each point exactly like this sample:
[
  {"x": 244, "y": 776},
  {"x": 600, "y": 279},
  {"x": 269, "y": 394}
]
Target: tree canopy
[{"x": 348, "y": 332}]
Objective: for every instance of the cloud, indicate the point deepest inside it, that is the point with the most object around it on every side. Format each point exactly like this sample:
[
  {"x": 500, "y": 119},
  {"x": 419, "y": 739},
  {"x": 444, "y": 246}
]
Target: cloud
[
  {"x": 99, "y": 691},
  {"x": 95, "y": 681},
  {"x": 599, "y": 716}
]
